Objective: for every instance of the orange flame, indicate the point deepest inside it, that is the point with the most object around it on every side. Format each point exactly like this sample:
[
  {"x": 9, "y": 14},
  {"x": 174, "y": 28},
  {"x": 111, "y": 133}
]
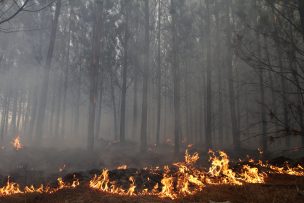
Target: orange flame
[
  {"x": 179, "y": 180},
  {"x": 12, "y": 188}
]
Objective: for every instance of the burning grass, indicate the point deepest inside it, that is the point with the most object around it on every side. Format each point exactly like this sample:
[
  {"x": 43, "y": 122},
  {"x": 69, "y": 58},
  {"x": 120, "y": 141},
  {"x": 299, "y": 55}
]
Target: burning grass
[{"x": 181, "y": 180}]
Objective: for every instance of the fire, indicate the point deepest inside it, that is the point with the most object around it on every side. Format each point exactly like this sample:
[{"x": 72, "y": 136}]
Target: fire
[
  {"x": 179, "y": 180},
  {"x": 252, "y": 175},
  {"x": 187, "y": 180},
  {"x": 288, "y": 170},
  {"x": 220, "y": 169},
  {"x": 16, "y": 143},
  {"x": 12, "y": 188}
]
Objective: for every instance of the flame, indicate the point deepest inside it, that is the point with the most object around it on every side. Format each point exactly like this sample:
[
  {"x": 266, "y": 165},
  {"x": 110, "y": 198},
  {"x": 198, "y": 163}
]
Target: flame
[
  {"x": 179, "y": 180},
  {"x": 188, "y": 180},
  {"x": 16, "y": 143},
  {"x": 220, "y": 169},
  {"x": 287, "y": 170},
  {"x": 252, "y": 175},
  {"x": 12, "y": 188}
]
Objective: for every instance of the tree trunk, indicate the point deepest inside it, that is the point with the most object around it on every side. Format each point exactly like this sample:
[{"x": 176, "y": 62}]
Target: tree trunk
[
  {"x": 176, "y": 78},
  {"x": 94, "y": 73},
  {"x": 66, "y": 78},
  {"x": 158, "y": 117},
  {"x": 219, "y": 74},
  {"x": 144, "y": 112},
  {"x": 46, "y": 73},
  {"x": 122, "y": 135},
  {"x": 262, "y": 100},
  {"x": 301, "y": 11},
  {"x": 114, "y": 109},
  {"x": 231, "y": 90},
  {"x": 98, "y": 119},
  {"x": 208, "y": 130}
]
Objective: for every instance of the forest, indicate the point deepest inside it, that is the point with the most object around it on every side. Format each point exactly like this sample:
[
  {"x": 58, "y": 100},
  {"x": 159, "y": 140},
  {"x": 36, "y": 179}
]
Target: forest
[{"x": 152, "y": 101}]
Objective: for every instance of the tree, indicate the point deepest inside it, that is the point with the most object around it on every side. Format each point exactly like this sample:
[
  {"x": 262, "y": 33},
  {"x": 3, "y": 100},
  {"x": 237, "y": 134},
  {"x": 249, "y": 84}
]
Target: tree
[
  {"x": 46, "y": 73},
  {"x": 144, "y": 114},
  {"x": 95, "y": 64}
]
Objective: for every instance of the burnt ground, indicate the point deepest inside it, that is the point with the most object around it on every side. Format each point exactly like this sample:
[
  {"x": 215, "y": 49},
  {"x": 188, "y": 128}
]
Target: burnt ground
[{"x": 280, "y": 189}]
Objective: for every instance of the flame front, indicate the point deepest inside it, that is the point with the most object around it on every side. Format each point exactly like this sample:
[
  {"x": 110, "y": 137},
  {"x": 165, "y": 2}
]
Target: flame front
[
  {"x": 12, "y": 188},
  {"x": 179, "y": 180}
]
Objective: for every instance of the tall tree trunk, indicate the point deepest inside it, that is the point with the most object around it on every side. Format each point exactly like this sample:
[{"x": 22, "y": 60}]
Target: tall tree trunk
[
  {"x": 14, "y": 114},
  {"x": 262, "y": 100},
  {"x": 135, "y": 108},
  {"x": 176, "y": 77},
  {"x": 274, "y": 108},
  {"x": 3, "y": 115},
  {"x": 94, "y": 73},
  {"x": 231, "y": 90},
  {"x": 219, "y": 77},
  {"x": 98, "y": 119},
  {"x": 51, "y": 127},
  {"x": 66, "y": 78},
  {"x": 114, "y": 109},
  {"x": 208, "y": 130},
  {"x": 46, "y": 73},
  {"x": 158, "y": 117},
  {"x": 122, "y": 132},
  {"x": 58, "y": 109},
  {"x": 77, "y": 105},
  {"x": 301, "y": 11},
  {"x": 144, "y": 112}
]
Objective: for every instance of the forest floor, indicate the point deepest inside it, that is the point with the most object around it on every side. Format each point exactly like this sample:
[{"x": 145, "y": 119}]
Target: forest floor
[
  {"x": 28, "y": 166},
  {"x": 281, "y": 189}
]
